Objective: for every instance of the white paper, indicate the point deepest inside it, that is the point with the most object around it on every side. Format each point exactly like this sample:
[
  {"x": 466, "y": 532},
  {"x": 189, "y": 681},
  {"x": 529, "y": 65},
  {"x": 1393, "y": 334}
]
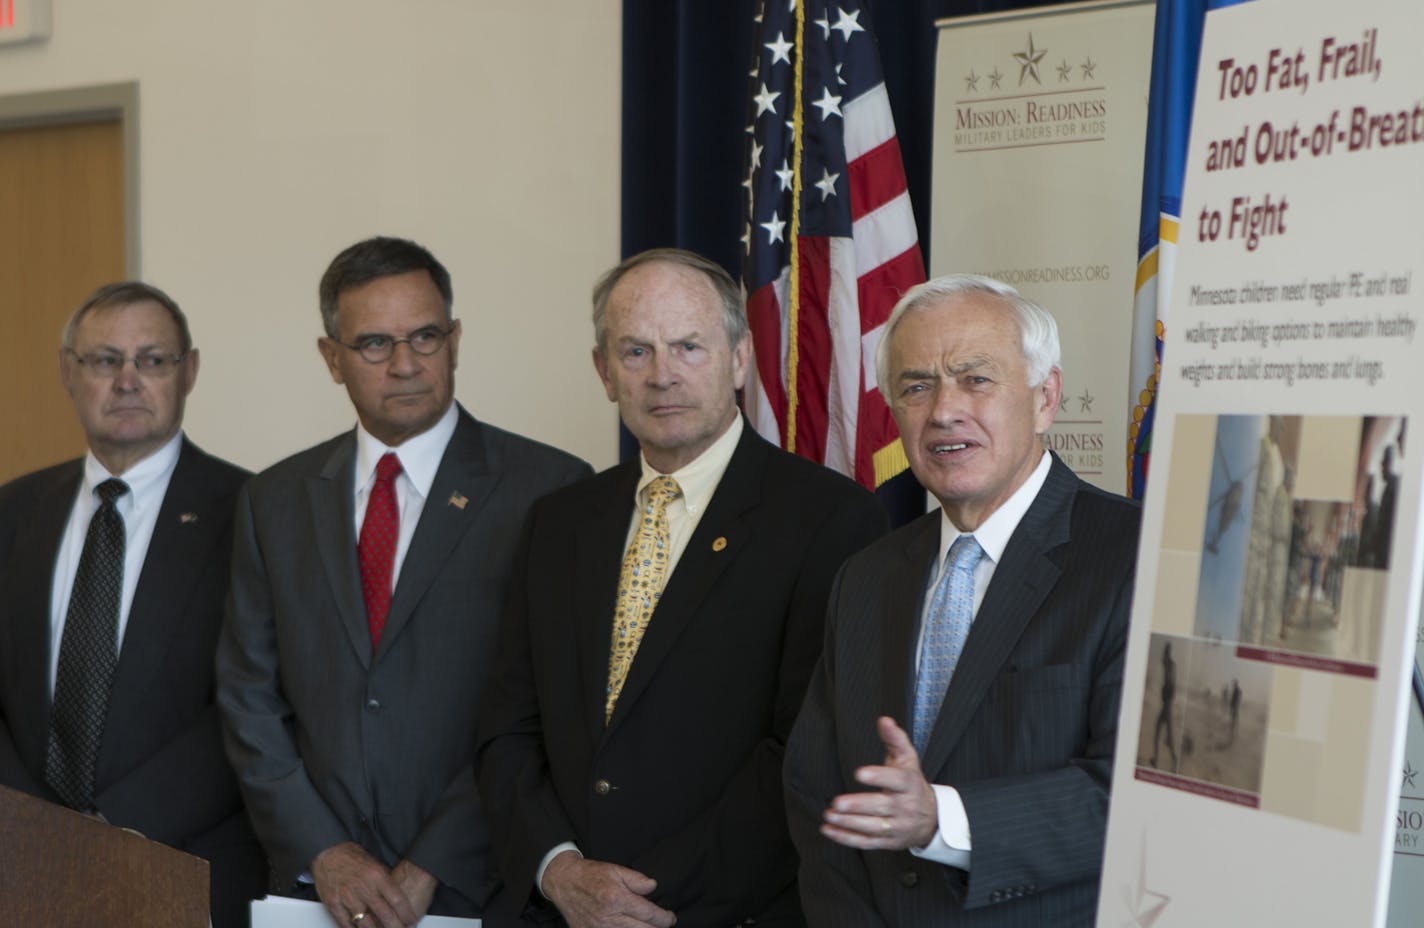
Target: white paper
[{"x": 285, "y": 912}]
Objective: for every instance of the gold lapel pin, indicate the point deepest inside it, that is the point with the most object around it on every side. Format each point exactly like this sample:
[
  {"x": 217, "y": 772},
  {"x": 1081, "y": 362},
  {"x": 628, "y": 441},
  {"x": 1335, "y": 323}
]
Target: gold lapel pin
[
  {"x": 719, "y": 543},
  {"x": 187, "y": 517},
  {"x": 458, "y": 500}
]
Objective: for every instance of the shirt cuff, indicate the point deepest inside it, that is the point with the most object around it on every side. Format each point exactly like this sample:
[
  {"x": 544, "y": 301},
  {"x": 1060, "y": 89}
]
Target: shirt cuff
[
  {"x": 544, "y": 864},
  {"x": 950, "y": 845}
]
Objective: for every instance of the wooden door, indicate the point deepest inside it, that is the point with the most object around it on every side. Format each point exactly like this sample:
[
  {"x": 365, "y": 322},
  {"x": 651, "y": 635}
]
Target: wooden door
[{"x": 61, "y": 236}]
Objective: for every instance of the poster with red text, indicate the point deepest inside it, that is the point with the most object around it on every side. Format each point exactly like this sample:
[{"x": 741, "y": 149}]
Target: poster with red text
[{"x": 1267, "y": 681}]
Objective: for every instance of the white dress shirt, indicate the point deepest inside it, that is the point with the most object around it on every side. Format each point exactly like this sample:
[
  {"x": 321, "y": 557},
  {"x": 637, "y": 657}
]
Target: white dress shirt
[
  {"x": 148, "y": 483},
  {"x": 951, "y": 844},
  {"x": 420, "y": 458},
  {"x": 698, "y": 482}
]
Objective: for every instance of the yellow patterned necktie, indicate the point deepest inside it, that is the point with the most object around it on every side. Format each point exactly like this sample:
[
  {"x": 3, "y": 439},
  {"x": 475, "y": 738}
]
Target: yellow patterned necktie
[{"x": 640, "y": 585}]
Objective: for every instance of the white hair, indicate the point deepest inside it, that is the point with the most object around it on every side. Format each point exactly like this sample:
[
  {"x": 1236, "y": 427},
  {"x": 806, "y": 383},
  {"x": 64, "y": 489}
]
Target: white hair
[{"x": 1037, "y": 328}]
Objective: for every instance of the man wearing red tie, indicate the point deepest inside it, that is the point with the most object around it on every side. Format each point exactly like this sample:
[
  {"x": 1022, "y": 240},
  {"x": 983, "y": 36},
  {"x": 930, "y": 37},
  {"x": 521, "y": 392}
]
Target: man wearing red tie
[{"x": 368, "y": 573}]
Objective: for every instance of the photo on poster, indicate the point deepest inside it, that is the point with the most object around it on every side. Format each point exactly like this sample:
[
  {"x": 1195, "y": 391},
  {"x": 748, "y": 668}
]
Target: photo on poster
[
  {"x": 1204, "y": 719},
  {"x": 1296, "y": 537},
  {"x": 1320, "y": 576}
]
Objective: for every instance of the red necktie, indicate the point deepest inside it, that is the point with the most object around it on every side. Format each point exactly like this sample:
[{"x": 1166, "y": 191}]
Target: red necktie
[{"x": 376, "y": 549}]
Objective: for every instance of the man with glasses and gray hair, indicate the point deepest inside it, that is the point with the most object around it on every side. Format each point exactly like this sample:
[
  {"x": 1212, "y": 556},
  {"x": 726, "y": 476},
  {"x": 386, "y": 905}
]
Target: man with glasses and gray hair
[
  {"x": 368, "y": 574},
  {"x": 113, "y": 573}
]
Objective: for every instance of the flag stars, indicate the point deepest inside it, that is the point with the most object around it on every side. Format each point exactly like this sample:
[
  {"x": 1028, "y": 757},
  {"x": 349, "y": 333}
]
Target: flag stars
[
  {"x": 847, "y": 24},
  {"x": 840, "y": 80},
  {"x": 774, "y": 228},
  {"x": 829, "y": 104},
  {"x": 756, "y": 154},
  {"x": 780, "y": 49},
  {"x": 784, "y": 174},
  {"x": 827, "y": 184},
  {"x": 766, "y": 100},
  {"x": 825, "y": 23}
]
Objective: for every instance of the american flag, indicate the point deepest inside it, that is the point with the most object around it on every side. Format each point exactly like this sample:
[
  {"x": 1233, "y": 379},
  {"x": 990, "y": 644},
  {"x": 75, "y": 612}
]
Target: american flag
[{"x": 824, "y": 175}]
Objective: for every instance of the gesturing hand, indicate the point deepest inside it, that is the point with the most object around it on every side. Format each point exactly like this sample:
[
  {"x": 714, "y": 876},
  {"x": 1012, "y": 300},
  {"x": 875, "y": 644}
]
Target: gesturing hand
[{"x": 899, "y": 812}]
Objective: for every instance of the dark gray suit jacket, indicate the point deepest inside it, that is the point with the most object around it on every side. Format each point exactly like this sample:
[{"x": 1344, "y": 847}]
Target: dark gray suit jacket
[
  {"x": 1026, "y": 732},
  {"x": 331, "y": 742},
  {"x": 161, "y": 768},
  {"x": 691, "y": 761}
]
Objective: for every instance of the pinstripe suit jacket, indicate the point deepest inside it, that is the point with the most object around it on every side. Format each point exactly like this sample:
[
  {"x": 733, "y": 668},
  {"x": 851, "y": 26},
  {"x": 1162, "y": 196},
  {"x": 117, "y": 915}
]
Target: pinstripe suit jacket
[
  {"x": 1026, "y": 731},
  {"x": 332, "y": 742}
]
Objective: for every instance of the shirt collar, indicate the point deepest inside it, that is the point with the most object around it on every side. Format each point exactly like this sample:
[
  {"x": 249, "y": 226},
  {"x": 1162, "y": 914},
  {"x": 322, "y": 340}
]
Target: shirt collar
[
  {"x": 144, "y": 478},
  {"x": 419, "y": 455},
  {"x": 993, "y": 533},
  {"x": 698, "y": 479}
]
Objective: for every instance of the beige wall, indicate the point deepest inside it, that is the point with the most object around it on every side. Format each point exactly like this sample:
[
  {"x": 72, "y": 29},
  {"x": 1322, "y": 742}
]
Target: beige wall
[{"x": 273, "y": 133}]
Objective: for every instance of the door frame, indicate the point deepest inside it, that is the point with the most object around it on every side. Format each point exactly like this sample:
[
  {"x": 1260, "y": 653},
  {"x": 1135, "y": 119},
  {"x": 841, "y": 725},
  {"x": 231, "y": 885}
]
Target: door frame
[{"x": 90, "y": 104}]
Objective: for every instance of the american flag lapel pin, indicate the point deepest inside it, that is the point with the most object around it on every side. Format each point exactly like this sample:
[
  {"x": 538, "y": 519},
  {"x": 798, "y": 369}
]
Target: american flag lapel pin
[
  {"x": 187, "y": 518},
  {"x": 458, "y": 500}
]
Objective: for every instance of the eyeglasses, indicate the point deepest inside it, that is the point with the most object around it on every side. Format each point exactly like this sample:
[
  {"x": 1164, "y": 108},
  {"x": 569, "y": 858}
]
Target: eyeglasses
[
  {"x": 106, "y": 365},
  {"x": 377, "y": 348}
]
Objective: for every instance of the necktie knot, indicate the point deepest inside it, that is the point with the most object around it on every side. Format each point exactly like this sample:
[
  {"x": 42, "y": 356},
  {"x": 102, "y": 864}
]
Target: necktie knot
[
  {"x": 388, "y": 467},
  {"x": 661, "y": 491},
  {"x": 110, "y": 490},
  {"x": 965, "y": 553}
]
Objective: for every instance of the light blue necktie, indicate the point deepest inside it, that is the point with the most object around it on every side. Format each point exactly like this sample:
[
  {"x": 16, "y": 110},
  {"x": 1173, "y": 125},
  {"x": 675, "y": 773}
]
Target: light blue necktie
[{"x": 946, "y": 626}]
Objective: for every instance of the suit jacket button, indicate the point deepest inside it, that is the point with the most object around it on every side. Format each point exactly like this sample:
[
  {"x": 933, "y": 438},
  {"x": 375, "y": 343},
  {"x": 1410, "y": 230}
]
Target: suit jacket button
[
  {"x": 373, "y": 704},
  {"x": 996, "y": 896},
  {"x": 909, "y": 878},
  {"x": 602, "y": 787}
]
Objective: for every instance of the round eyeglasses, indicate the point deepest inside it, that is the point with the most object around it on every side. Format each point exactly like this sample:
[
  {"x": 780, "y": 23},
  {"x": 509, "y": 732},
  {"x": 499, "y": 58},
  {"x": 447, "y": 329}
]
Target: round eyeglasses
[{"x": 378, "y": 348}]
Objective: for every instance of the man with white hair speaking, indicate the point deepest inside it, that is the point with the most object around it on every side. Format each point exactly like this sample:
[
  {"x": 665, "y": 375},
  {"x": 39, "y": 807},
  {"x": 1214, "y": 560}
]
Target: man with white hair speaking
[{"x": 951, "y": 763}]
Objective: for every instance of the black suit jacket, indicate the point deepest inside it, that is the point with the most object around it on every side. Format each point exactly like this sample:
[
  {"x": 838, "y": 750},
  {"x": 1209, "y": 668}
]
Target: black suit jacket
[
  {"x": 683, "y": 783},
  {"x": 161, "y": 768},
  {"x": 335, "y": 743},
  {"x": 1025, "y": 734}
]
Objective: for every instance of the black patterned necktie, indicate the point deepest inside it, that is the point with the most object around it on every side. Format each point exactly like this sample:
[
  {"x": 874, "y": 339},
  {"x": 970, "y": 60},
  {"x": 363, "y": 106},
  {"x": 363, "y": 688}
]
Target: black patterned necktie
[{"x": 88, "y": 654}]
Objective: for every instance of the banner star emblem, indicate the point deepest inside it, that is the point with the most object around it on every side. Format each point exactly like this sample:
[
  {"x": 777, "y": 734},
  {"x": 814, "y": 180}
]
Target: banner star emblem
[
  {"x": 971, "y": 81},
  {"x": 1028, "y": 61},
  {"x": 1086, "y": 399},
  {"x": 1065, "y": 71},
  {"x": 994, "y": 78},
  {"x": 1088, "y": 65}
]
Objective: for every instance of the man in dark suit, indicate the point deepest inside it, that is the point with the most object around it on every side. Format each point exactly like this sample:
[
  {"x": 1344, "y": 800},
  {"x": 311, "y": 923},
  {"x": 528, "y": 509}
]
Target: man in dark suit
[
  {"x": 631, "y": 778},
  {"x": 368, "y": 574},
  {"x": 1027, "y": 573},
  {"x": 113, "y": 571}
]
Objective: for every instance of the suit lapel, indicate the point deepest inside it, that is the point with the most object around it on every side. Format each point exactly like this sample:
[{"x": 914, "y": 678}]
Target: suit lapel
[
  {"x": 1022, "y": 581},
  {"x": 464, "y": 474},
  {"x": 33, "y": 559},
  {"x": 905, "y": 596},
  {"x": 600, "y": 537},
  {"x": 738, "y": 493},
  {"x": 332, "y": 496},
  {"x": 190, "y": 521}
]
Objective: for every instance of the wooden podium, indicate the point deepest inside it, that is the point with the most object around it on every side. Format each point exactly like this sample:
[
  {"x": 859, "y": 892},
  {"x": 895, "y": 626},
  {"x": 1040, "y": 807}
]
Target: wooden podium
[{"x": 61, "y": 869}]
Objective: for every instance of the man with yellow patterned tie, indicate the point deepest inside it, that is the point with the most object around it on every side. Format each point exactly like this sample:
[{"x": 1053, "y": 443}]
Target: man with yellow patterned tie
[{"x": 665, "y": 616}]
